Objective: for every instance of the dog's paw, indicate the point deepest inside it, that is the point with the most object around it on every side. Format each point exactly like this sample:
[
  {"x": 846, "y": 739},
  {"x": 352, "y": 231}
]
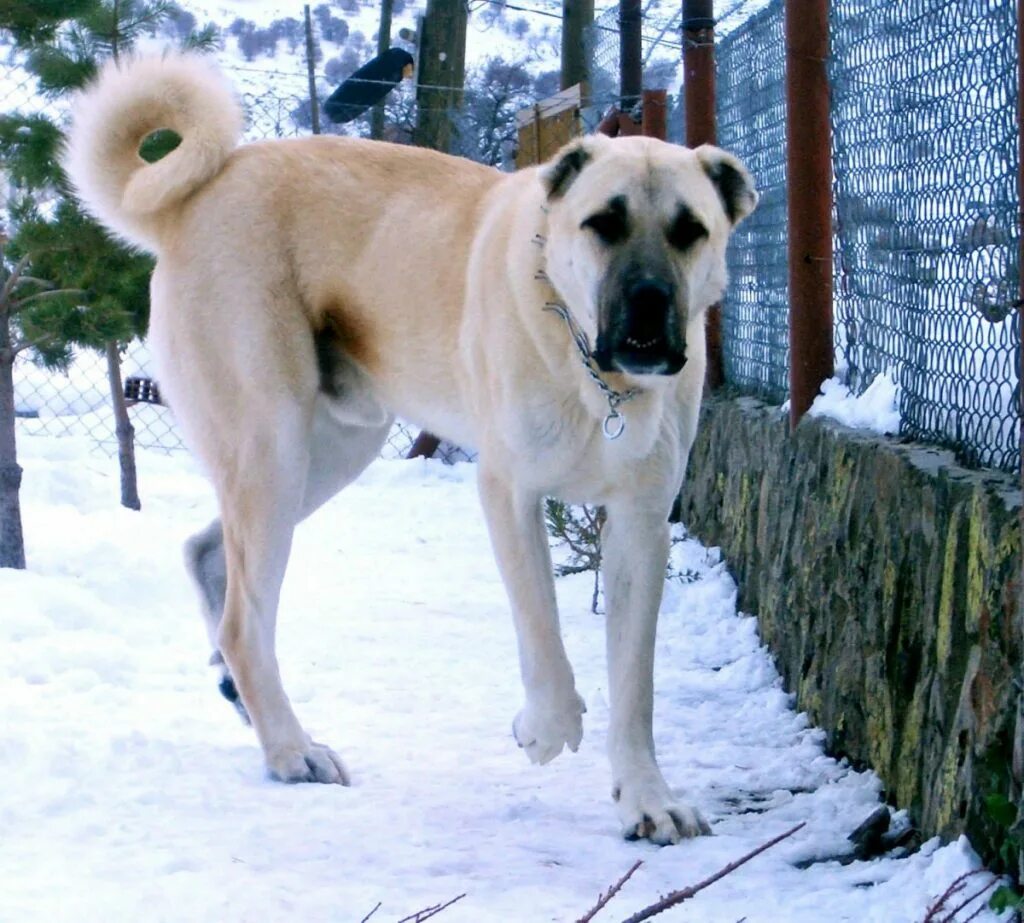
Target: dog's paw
[
  {"x": 312, "y": 763},
  {"x": 649, "y": 812},
  {"x": 543, "y": 730}
]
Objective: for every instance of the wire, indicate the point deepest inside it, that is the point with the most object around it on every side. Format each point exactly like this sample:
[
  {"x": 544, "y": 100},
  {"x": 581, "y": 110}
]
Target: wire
[{"x": 596, "y": 25}]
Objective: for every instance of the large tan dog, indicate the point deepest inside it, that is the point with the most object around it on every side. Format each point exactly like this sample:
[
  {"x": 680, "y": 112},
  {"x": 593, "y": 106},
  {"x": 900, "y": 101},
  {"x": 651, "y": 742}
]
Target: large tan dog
[{"x": 307, "y": 289}]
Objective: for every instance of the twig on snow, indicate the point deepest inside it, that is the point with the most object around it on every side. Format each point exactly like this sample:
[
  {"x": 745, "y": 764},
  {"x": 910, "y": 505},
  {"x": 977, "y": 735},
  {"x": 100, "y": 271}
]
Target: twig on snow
[
  {"x": 427, "y": 912},
  {"x": 609, "y": 894},
  {"x": 954, "y": 889},
  {"x": 371, "y": 913},
  {"x": 677, "y": 897}
]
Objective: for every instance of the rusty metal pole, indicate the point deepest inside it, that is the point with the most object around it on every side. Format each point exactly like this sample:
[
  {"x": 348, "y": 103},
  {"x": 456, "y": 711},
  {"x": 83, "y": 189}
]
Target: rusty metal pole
[
  {"x": 655, "y": 114},
  {"x": 702, "y": 128},
  {"x": 699, "y": 72},
  {"x": 809, "y": 184},
  {"x": 1020, "y": 283}
]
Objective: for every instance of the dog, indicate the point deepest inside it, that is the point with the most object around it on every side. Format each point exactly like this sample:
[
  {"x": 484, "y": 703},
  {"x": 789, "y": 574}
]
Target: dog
[{"x": 553, "y": 319}]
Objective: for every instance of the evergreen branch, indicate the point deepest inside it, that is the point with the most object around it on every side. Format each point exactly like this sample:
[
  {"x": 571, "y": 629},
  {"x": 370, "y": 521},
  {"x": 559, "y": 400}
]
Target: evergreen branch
[
  {"x": 11, "y": 283},
  {"x": 40, "y": 342},
  {"x": 42, "y": 283},
  {"x": 45, "y": 296}
]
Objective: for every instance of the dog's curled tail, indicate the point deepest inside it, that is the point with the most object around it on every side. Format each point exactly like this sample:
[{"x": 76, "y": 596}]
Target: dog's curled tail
[{"x": 182, "y": 92}]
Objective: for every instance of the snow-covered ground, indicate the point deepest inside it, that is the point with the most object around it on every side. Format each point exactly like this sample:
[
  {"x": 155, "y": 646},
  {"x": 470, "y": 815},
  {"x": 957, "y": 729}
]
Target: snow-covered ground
[{"x": 130, "y": 791}]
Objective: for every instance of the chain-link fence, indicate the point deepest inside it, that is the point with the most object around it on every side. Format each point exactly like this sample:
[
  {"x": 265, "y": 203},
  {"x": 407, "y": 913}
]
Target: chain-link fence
[
  {"x": 925, "y": 146},
  {"x": 660, "y": 56},
  {"x": 926, "y": 227},
  {"x": 752, "y": 123}
]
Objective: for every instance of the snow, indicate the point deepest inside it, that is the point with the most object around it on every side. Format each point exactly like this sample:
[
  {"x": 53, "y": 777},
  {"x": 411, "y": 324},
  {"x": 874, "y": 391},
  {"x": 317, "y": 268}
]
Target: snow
[
  {"x": 131, "y": 791},
  {"x": 876, "y": 409}
]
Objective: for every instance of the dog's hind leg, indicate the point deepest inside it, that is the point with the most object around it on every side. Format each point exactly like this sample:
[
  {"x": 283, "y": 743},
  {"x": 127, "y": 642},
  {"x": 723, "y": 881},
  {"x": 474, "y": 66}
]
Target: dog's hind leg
[{"x": 338, "y": 454}]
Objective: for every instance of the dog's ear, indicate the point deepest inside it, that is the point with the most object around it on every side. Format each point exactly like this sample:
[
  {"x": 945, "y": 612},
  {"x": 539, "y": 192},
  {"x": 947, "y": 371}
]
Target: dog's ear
[
  {"x": 733, "y": 182},
  {"x": 560, "y": 173}
]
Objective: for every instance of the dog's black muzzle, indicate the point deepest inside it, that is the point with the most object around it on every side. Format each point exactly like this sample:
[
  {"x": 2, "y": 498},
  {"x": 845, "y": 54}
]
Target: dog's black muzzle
[{"x": 642, "y": 334}]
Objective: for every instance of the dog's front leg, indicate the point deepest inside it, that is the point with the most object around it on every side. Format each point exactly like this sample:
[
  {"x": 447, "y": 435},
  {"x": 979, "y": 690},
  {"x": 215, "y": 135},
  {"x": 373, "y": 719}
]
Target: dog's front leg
[
  {"x": 552, "y": 715},
  {"x": 635, "y": 545}
]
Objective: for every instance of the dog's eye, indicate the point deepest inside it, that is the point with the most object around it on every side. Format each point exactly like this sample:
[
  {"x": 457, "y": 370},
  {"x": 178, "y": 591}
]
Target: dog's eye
[
  {"x": 609, "y": 226},
  {"x": 686, "y": 231}
]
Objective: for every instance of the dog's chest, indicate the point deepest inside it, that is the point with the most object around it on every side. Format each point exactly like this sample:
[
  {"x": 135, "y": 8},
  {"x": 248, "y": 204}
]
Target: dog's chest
[{"x": 561, "y": 449}]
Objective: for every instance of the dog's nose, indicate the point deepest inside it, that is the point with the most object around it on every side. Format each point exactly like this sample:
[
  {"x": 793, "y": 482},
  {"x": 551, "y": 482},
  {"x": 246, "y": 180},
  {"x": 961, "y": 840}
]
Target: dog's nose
[{"x": 649, "y": 295}]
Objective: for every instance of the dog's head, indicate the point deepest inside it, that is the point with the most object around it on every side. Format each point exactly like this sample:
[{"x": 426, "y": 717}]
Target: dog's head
[{"x": 636, "y": 239}]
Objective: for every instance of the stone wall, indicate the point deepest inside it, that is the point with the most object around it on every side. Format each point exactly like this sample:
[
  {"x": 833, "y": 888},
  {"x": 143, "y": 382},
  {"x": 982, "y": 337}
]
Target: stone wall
[{"x": 886, "y": 581}]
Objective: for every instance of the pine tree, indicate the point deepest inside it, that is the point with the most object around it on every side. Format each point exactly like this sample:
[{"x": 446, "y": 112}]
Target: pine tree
[{"x": 96, "y": 290}]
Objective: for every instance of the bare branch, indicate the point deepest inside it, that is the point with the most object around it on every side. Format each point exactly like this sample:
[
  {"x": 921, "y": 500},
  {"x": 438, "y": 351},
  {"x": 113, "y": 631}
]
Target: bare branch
[
  {"x": 371, "y": 913},
  {"x": 677, "y": 897},
  {"x": 603, "y": 899},
  {"x": 427, "y": 912},
  {"x": 955, "y": 888},
  {"x": 567, "y": 570}
]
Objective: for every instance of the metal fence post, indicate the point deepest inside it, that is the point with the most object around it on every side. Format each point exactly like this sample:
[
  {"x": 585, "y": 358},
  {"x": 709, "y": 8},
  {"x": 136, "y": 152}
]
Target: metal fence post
[
  {"x": 655, "y": 113},
  {"x": 701, "y": 128},
  {"x": 809, "y": 192},
  {"x": 1020, "y": 282}
]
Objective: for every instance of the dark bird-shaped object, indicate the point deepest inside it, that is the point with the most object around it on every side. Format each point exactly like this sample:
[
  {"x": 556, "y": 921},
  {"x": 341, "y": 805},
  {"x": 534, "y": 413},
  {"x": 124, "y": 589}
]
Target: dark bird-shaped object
[{"x": 368, "y": 85}]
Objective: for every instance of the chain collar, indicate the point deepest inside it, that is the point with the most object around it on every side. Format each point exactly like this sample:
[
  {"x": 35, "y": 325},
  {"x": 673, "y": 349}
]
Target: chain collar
[{"x": 614, "y": 424}]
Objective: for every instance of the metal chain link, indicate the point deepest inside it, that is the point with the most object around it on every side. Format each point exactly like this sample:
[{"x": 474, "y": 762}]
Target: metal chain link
[{"x": 926, "y": 230}]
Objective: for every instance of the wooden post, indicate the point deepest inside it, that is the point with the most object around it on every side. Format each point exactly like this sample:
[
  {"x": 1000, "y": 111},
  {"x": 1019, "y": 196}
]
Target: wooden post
[
  {"x": 550, "y": 123},
  {"x": 383, "y": 44},
  {"x": 702, "y": 128},
  {"x": 631, "y": 74},
  {"x": 809, "y": 185},
  {"x": 441, "y": 72},
  {"x": 577, "y": 16},
  {"x": 314, "y": 102}
]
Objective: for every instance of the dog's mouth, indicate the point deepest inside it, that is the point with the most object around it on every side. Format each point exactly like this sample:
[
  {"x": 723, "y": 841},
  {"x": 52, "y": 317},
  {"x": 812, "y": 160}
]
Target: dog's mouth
[
  {"x": 651, "y": 347},
  {"x": 652, "y": 356},
  {"x": 641, "y": 333}
]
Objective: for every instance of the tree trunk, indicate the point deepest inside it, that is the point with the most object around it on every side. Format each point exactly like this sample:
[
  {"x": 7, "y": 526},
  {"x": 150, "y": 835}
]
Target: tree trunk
[
  {"x": 12, "y": 539},
  {"x": 577, "y": 18},
  {"x": 441, "y": 74},
  {"x": 125, "y": 431},
  {"x": 383, "y": 44}
]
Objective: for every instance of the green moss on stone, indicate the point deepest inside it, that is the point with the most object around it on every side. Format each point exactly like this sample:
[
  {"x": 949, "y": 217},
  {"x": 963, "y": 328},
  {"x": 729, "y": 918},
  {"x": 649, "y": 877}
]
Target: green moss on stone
[{"x": 947, "y": 598}]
